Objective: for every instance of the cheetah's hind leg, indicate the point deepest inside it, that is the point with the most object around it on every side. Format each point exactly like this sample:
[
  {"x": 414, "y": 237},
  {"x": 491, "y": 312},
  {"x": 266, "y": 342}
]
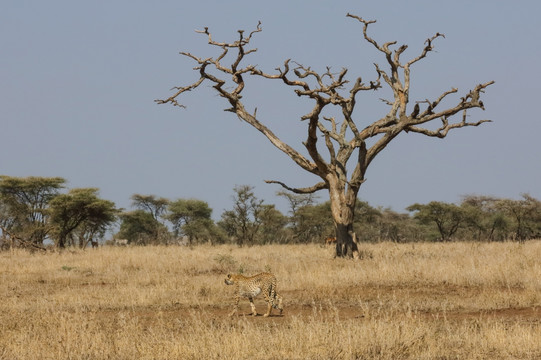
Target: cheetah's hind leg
[
  {"x": 278, "y": 306},
  {"x": 269, "y": 308}
]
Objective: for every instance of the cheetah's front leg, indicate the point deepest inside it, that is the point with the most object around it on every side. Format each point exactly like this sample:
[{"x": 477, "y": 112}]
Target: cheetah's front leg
[
  {"x": 254, "y": 312},
  {"x": 236, "y": 306}
]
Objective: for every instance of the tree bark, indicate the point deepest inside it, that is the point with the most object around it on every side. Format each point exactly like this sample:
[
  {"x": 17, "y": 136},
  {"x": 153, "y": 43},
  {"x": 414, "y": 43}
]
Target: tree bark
[{"x": 342, "y": 209}]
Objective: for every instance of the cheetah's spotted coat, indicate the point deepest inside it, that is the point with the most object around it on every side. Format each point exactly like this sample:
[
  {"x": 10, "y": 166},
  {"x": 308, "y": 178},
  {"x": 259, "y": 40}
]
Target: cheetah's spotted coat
[{"x": 251, "y": 287}]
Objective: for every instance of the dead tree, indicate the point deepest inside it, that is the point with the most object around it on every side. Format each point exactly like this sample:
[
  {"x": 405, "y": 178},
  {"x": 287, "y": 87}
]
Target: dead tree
[{"x": 342, "y": 137}]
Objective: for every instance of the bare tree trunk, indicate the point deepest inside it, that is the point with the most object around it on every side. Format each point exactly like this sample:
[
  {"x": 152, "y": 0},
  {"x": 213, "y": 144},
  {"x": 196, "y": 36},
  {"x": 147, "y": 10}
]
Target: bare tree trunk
[
  {"x": 346, "y": 241},
  {"x": 343, "y": 211}
]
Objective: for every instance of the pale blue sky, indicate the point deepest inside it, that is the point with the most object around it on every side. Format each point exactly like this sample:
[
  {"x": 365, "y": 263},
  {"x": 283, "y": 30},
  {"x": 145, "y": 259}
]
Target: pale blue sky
[{"x": 78, "y": 80}]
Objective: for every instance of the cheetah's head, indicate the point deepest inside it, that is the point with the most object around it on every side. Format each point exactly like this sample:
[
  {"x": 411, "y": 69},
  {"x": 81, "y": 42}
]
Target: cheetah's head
[{"x": 230, "y": 279}]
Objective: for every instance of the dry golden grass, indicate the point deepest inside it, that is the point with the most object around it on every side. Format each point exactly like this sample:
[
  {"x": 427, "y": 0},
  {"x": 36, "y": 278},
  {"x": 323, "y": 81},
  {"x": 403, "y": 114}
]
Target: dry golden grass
[{"x": 402, "y": 301}]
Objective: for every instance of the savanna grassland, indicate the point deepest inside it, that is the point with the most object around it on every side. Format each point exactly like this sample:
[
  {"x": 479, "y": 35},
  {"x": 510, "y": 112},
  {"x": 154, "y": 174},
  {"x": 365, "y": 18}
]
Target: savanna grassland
[{"x": 401, "y": 301}]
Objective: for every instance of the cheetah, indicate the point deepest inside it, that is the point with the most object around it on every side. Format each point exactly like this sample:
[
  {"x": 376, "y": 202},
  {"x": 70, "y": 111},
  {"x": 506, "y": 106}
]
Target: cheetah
[{"x": 252, "y": 286}]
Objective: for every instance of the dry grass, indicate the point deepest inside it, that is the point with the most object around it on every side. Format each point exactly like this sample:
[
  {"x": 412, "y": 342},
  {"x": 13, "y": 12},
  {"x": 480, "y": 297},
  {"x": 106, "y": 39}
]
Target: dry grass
[{"x": 410, "y": 301}]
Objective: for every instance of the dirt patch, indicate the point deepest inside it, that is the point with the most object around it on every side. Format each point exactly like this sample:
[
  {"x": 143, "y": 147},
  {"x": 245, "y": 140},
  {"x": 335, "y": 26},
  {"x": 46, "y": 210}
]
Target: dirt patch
[
  {"x": 345, "y": 312},
  {"x": 341, "y": 312},
  {"x": 529, "y": 314}
]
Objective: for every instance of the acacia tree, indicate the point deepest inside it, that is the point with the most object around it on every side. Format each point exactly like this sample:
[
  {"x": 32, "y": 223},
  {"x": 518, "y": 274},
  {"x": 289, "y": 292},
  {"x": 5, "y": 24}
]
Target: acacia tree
[
  {"x": 314, "y": 223},
  {"x": 151, "y": 204},
  {"x": 525, "y": 213},
  {"x": 140, "y": 227},
  {"x": 80, "y": 211},
  {"x": 447, "y": 217},
  {"x": 246, "y": 218},
  {"x": 191, "y": 218},
  {"x": 156, "y": 207},
  {"x": 485, "y": 217},
  {"x": 25, "y": 202},
  {"x": 344, "y": 139},
  {"x": 296, "y": 203}
]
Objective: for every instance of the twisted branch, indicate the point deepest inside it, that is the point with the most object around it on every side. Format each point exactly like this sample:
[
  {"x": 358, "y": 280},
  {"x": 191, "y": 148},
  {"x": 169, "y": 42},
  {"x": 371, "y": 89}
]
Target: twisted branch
[{"x": 307, "y": 190}]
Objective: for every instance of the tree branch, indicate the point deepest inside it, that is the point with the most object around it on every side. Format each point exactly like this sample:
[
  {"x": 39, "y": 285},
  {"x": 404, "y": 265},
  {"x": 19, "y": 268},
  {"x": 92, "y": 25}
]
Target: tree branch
[
  {"x": 426, "y": 49},
  {"x": 471, "y": 100},
  {"x": 446, "y": 126},
  {"x": 25, "y": 243},
  {"x": 308, "y": 190},
  {"x": 180, "y": 90},
  {"x": 288, "y": 150}
]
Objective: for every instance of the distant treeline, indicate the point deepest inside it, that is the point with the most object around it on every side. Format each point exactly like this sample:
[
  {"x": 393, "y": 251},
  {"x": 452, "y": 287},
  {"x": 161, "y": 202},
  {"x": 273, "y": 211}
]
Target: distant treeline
[{"x": 35, "y": 211}]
